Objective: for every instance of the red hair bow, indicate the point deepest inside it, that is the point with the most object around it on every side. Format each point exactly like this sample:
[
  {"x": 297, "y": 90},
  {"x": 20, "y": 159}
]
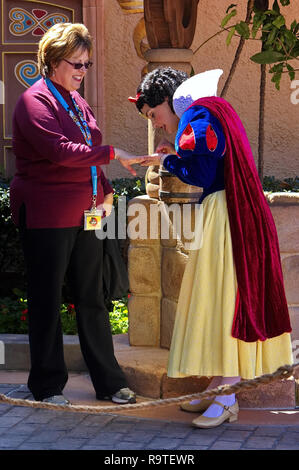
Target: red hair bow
[{"x": 134, "y": 100}]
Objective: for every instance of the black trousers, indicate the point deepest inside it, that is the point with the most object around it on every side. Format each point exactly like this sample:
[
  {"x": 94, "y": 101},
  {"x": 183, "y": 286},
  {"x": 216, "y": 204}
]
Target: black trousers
[{"x": 50, "y": 256}]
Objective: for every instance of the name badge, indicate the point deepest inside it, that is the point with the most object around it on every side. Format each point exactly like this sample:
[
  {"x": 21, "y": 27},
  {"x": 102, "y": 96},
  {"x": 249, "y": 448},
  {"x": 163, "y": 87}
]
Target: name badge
[{"x": 92, "y": 219}]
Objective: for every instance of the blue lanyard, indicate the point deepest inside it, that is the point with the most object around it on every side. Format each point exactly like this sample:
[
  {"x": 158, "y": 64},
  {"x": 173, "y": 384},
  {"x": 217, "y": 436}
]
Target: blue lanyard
[{"x": 83, "y": 126}]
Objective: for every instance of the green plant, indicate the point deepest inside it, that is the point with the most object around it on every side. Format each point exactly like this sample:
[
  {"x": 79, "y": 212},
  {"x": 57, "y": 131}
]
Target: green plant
[
  {"x": 128, "y": 187},
  {"x": 14, "y": 315},
  {"x": 119, "y": 316},
  {"x": 271, "y": 184},
  {"x": 11, "y": 255}
]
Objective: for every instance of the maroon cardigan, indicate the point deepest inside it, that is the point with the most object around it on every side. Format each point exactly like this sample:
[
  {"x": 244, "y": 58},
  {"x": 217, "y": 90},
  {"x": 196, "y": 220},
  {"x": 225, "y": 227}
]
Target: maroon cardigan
[{"x": 53, "y": 162}]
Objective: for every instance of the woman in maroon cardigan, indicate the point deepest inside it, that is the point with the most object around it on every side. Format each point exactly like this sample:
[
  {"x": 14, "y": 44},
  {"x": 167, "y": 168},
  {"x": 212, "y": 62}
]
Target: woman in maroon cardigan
[{"x": 56, "y": 141}]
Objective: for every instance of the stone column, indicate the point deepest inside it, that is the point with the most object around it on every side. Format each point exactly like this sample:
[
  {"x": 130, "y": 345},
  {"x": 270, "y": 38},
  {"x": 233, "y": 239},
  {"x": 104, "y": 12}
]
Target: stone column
[
  {"x": 171, "y": 57},
  {"x": 144, "y": 268},
  {"x": 156, "y": 266}
]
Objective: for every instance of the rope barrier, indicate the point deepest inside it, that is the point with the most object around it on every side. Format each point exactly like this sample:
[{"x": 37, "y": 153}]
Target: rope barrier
[{"x": 281, "y": 373}]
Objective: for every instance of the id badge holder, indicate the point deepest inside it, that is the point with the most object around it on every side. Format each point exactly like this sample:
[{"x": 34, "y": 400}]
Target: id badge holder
[{"x": 92, "y": 219}]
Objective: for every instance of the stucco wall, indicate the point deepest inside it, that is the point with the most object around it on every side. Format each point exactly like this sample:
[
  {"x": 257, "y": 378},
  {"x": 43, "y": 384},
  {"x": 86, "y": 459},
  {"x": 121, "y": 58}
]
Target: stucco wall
[{"x": 125, "y": 129}]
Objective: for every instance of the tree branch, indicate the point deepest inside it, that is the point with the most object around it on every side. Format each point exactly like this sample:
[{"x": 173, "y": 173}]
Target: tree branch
[{"x": 250, "y": 6}]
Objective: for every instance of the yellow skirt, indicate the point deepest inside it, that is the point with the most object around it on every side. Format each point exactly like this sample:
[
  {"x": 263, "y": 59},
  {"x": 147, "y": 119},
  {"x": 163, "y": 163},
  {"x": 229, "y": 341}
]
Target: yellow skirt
[{"x": 202, "y": 344}]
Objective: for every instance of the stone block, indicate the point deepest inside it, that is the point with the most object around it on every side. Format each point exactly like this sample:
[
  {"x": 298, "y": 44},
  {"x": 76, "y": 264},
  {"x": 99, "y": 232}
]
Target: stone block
[
  {"x": 144, "y": 320},
  {"x": 294, "y": 316},
  {"x": 17, "y": 354},
  {"x": 286, "y": 217},
  {"x": 152, "y": 190},
  {"x": 168, "y": 312},
  {"x": 181, "y": 225},
  {"x": 143, "y": 221},
  {"x": 173, "y": 265},
  {"x": 183, "y": 386},
  {"x": 278, "y": 394},
  {"x": 144, "y": 366},
  {"x": 144, "y": 269},
  {"x": 168, "y": 235},
  {"x": 290, "y": 267}
]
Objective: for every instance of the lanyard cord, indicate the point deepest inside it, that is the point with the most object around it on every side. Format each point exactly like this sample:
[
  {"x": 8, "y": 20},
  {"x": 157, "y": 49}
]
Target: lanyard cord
[{"x": 84, "y": 128}]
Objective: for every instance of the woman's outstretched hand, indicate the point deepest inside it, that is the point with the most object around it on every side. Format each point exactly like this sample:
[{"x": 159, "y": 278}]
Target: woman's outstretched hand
[
  {"x": 154, "y": 159},
  {"x": 163, "y": 149},
  {"x": 127, "y": 159}
]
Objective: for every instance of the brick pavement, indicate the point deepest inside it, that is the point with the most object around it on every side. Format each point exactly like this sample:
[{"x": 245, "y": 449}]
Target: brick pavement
[{"x": 23, "y": 428}]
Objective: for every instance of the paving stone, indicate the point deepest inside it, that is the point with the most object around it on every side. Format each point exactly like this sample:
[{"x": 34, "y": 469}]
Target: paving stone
[
  {"x": 22, "y": 428},
  {"x": 235, "y": 427},
  {"x": 173, "y": 430},
  {"x": 200, "y": 438},
  {"x": 83, "y": 432},
  {"x": 260, "y": 442},
  {"x": 142, "y": 436},
  {"x": 118, "y": 427},
  {"x": 11, "y": 442},
  {"x": 19, "y": 411},
  {"x": 97, "y": 420},
  {"x": 226, "y": 445},
  {"x": 68, "y": 444},
  {"x": 96, "y": 447},
  {"x": 269, "y": 431},
  {"x": 6, "y": 388},
  {"x": 35, "y": 446},
  {"x": 127, "y": 445},
  {"x": 290, "y": 438},
  {"x": 192, "y": 447},
  {"x": 150, "y": 425},
  {"x": 293, "y": 429},
  {"x": 164, "y": 443},
  {"x": 287, "y": 447},
  {"x": 60, "y": 425},
  {"x": 4, "y": 407},
  {"x": 235, "y": 435},
  {"x": 46, "y": 436},
  {"x": 41, "y": 416},
  {"x": 8, "y": 421},
  {"x": 105, "y": 438}
]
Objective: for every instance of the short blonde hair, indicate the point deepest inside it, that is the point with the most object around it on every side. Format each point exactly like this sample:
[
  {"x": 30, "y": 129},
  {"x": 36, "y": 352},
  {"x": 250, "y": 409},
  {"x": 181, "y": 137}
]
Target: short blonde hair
[{"x": 59, "y": 42}]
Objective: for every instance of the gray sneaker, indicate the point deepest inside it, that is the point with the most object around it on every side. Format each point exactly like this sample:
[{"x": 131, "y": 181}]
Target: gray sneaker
[
  {"x": 57, "y": 400},
  {"x": 124, "y": 395}
]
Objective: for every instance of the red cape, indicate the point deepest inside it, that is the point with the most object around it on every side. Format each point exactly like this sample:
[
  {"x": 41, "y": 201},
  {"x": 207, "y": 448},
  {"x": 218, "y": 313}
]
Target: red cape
[{"x": 261, "y": 308}]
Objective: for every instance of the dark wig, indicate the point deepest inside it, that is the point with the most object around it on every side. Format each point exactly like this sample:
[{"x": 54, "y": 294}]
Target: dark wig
[{"x": 158, "y": 85}]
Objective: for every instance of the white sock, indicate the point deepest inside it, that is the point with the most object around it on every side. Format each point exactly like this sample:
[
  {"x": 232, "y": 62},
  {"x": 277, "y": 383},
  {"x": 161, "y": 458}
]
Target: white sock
[
  {"x": 215, "y": 382},
  {"x": 215, "y": 410}
]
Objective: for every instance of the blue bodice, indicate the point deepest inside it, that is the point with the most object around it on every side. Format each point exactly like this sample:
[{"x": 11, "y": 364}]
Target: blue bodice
[{"x": 200, "y": 147}]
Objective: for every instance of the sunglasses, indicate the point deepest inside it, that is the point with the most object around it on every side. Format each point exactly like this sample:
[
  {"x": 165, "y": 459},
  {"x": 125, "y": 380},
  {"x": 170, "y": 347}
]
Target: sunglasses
[{"x": 79, "y": 66}]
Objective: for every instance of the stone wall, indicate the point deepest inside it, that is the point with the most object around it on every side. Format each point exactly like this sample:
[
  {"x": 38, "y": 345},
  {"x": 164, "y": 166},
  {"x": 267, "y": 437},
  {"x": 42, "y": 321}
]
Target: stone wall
[
  {"x": 285, "y": 210},
  {"x": 156, "y": 267}
]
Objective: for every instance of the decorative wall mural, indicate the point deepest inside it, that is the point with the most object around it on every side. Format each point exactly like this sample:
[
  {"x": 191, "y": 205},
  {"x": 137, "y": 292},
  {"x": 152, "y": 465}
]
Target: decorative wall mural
[
  {"x": 26, "y": 72},
  {"x": 37, "y": 21}
]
